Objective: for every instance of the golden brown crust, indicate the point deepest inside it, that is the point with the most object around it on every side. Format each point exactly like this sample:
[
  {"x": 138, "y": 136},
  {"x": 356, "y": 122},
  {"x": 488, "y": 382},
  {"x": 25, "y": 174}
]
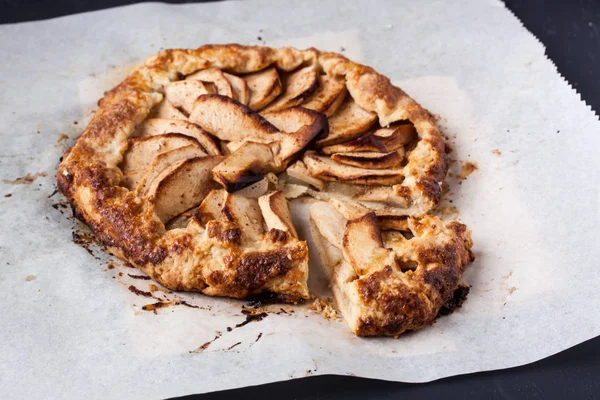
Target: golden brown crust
[{"x": 276, "y": 262}]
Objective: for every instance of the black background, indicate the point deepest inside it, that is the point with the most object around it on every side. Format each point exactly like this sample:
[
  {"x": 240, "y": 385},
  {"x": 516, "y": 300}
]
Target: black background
[{"x": 570, "y": 30}]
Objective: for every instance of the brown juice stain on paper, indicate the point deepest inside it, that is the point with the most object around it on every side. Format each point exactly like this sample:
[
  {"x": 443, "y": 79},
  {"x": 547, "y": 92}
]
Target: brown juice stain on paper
[
  {"x": 25, "y": 180},
  {"x": 205, "y": 346},
  {"x": 30, "y": 278},
  {"x": 62, "y": 138},
  {"x": 504, "y": 285}
]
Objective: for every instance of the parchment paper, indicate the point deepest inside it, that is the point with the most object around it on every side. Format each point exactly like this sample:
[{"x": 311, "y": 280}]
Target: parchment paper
[{"x": 69, "y": 326}]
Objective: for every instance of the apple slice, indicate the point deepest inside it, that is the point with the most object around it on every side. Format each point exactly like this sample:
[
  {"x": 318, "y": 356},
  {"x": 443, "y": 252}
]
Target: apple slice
[
  {"x": 329, "y": 222},
  {"x": 137, "y": 179},
  {"x": 349, "y": 122},
  {"x": 141, "y": 151},
  {"x": 216, "y": 77},
  {"x": 182, "y": 186},
  {"x": 329, "y": 97},
  {"x": 381, "y": 140},
  {"x": 245, "y": 166},
  {"x": 230, "y": 208},
  {"x": 298, "y": 86},
  {"x": 240, "y": 89},
  {"x": 159, "y": 126},
  {"x": 255, "y": 190},
  {"x": 325, "y": 168},
  {"x": 371, "y": 160},
  {"x": 165, "y": 109},
  {"x": 363, "y": 247},
  {"x": 264, "y": 87},
  {"x": 299, "y": 172},
  {"x": 227, "y": 118},
  {"x": 276, "y": 212},
  {"x": 183, "y": 94},
  {"x": 162, "y": 162},
  {"x": 299, "y": 127}
]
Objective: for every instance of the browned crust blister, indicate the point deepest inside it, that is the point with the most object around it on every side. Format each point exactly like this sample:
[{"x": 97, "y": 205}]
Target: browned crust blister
[{"x": 211, "y": 256}]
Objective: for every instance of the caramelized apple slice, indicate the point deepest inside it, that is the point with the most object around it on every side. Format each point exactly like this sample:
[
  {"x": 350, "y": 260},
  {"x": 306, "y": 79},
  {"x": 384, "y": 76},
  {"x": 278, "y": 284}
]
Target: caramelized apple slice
[
  {"x": 159, "y": 126},
  {"x": 240, "y": 89},
  {"x": 381, "y": 140},
  {"x": 276, "y": 212},
  {"x": 182, "y": 186},
  {"x": 299, "y": 172},
  {"x": 216, "y": 77},
  {"x": 228, "y": 119},
  {"x": 141, "y": 151},
  {"x": 371, "y": 160},
  {"x": 264, "y": 87},
  {"x": 165, "y": 109},
  {"x": 245, "y": 166},
  {"x": 233, "y": 209},
  {"x": 183, "y": 94},
  {"x": 328, "y": 170},
  {"x": 362, "y": 245},
  {"x": 349, "y": 122},
  {"x": 329, "y": 97},
  {"x": 298, "y": 86},
  {"x": 164, "y": 161}
]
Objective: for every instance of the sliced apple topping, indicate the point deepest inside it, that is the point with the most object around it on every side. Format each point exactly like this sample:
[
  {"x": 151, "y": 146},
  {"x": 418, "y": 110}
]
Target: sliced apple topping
[
  {"x": 325, "y": 168},
  {"x": 164, "y": 161},
  {"x": 228, "y": 119},
  {"x": 245, "y": 166},
  {"x": 382, "y": 140},
  {"x": 298, "y": 86},
  {"x": 165, "y": 109},
  {"x": 182, "y": 186},
  {"x": 362, "y": 245},
  {"x": 216, "y": 77},
  {"x": 240, "y": 89},
  {"x": 265, "y": 147},
  {"x": 183, "y": 94},
  {"x": 349, "y": 122},
  {"x": 329, "y": 97},
  {"x": 139, "y": 179},
  {"x": 264, "y": 87},
  {"x": 159, "y": 126},
  {"x": 299, "y": 172},
  {"x": 141, "y": 151},
  {"x": 329, "y": 222},
  {"x": 255, "y": 190},
  {"x": 371, "y": 160},
  {"x": 276, "y": 212},
  {"x": 232, "y": 209}
]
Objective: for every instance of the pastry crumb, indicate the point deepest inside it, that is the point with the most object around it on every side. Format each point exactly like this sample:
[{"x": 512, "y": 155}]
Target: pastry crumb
[
  {"x": 497, "y": 152},
  {"x": 467, "y": 169},
  {"x": 322, "y": 307},
  {"x": 30, "y": 278}
]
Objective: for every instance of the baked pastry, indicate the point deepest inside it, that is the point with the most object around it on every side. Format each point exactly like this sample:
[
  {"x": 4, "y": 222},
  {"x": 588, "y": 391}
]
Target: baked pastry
[
  {"x": 389, "y": 274},
  {"x": 185, "y": 168}
]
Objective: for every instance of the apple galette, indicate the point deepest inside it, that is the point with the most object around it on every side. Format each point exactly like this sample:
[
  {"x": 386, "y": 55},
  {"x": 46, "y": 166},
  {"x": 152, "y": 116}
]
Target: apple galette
[{"x": 186, "y": 169}]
